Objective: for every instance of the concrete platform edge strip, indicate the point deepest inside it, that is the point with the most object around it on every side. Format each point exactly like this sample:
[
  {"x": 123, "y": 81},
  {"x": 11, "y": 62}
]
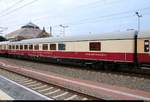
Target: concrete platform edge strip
[
  {"x": 47, "y": 98},
  {"x": 4, "y": 96}
]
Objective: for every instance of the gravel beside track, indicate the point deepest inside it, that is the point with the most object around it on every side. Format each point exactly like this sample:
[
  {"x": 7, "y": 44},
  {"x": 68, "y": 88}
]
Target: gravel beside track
[{"x": 97, "y": 76}]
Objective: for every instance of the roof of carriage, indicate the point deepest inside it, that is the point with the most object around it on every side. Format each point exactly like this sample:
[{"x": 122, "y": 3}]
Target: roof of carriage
[{"x": 91, "y": 37}]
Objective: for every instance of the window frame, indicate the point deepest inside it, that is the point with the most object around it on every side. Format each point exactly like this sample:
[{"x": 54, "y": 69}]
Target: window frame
[
  {"x": 9, "y": 47},
  {"x": 92, "y": 48},
  {"x": 17, "y": 47},
  {"x": 61, "y": 48},
  {"x": 21, "y": 47},
  {"x": 26, "y": 47},
  {"x": 30, "y": 47},
  {"x": 36, "y": 47},
  {"x": 13, "y": 47},
  {"x": 43, "y": 47},
  {"x": 53, "y": 48}
]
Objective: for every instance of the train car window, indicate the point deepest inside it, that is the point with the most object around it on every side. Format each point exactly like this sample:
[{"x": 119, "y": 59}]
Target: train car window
[
  {"x": 146, "y": 46},
  {"x": 61, "y": 47},
  {"x": 36, "y": 47},
  {"x": 9, "y": 47},
  {"x": 45, "y": 46},
  {"x": 21, "y": 47},
  {"x": 52, "y": 46},
  {"x": 95, "y": 46},
  {"x": 26, "y": 47},
  {"x": 30, "y": 47},
  {"x": 13, "y": 46},
  {"x": 17, "y": 47}
]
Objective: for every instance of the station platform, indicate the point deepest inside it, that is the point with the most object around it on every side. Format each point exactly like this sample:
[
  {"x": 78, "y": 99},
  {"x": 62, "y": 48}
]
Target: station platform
[
  {"x": 10, "y": 90},
  {"x": 100, "y": 90},
  {"x": 4, "y": 96}
]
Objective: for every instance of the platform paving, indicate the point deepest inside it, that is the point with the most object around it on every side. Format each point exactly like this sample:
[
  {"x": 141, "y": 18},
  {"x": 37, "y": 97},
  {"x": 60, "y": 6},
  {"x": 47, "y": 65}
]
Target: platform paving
[
  {"x": 13, "y": 91},
  {"x": 4, "y": 96}
]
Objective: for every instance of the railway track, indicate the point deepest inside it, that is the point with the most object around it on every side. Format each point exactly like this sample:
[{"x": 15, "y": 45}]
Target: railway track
[
  {"x": 49, "y": 90},
  {"x": 142, "y": 71}
]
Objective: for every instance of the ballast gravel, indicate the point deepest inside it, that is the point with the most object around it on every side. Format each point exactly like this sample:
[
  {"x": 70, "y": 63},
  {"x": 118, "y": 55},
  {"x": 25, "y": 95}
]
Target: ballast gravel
[{"x": 92, "y": 75}]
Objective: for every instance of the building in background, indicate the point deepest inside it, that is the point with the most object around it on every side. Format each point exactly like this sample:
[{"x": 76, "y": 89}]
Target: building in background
[{"x": 27, "y": 31}]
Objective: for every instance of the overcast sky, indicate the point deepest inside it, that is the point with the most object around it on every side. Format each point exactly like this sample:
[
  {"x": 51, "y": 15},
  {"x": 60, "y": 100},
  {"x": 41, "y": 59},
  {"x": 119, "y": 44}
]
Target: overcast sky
[{"x": 82, "y": 16}]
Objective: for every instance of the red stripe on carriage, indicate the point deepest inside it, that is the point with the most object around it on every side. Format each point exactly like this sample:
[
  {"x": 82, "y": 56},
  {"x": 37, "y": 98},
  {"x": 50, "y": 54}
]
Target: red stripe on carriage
[{"x": 121, "y": 57}]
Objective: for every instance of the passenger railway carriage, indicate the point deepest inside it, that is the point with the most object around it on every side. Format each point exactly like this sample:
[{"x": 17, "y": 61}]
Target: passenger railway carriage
[{"x": 91, "y": 50}]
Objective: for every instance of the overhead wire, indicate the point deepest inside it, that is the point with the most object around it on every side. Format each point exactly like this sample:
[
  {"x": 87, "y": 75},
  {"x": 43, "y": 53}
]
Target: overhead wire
[
  {"x": 107, "y": 16},
  {"x": 99, "y": 19},
  {"x": 95, "y": 21},
  {"x": 12, "y": 6},
  {"x": 103, "y": 18},
  {"x": 84, "y": 5},
  {"x": 16, "y": 9},
  {"x": 93, "y": 4},
  {"x": 78, "y": 7},
  {"x": 110, "y": 15}
]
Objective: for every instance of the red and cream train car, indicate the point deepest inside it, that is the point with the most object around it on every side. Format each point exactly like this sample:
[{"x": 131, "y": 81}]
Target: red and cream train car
[{"x": 120, "y": 47}]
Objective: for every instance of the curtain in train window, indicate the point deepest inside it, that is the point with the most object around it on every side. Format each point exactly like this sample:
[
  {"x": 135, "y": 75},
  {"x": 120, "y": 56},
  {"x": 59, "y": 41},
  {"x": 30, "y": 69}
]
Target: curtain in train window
[
  {"x": 95, "y": 46},
  {"x": 61, "y": 47},
  {"x": 30, "y": 47},
  {"x": 36, "y": 47},
  {"x": 45, "y": 46},
  {"x": 17, "y": 47},
  {"x": 52, "y": 46},
  {"x": 9, "y": 47},
  {"x": 26, "y": 47},
  {"x": 146, "y": 46},
  {"x": 21, "y": 47},
  {"x": 13, "y": 47}
]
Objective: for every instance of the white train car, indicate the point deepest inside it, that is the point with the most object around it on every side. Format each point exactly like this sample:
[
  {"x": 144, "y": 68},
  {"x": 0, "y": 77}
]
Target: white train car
[{"x": 112, "y": 48}]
